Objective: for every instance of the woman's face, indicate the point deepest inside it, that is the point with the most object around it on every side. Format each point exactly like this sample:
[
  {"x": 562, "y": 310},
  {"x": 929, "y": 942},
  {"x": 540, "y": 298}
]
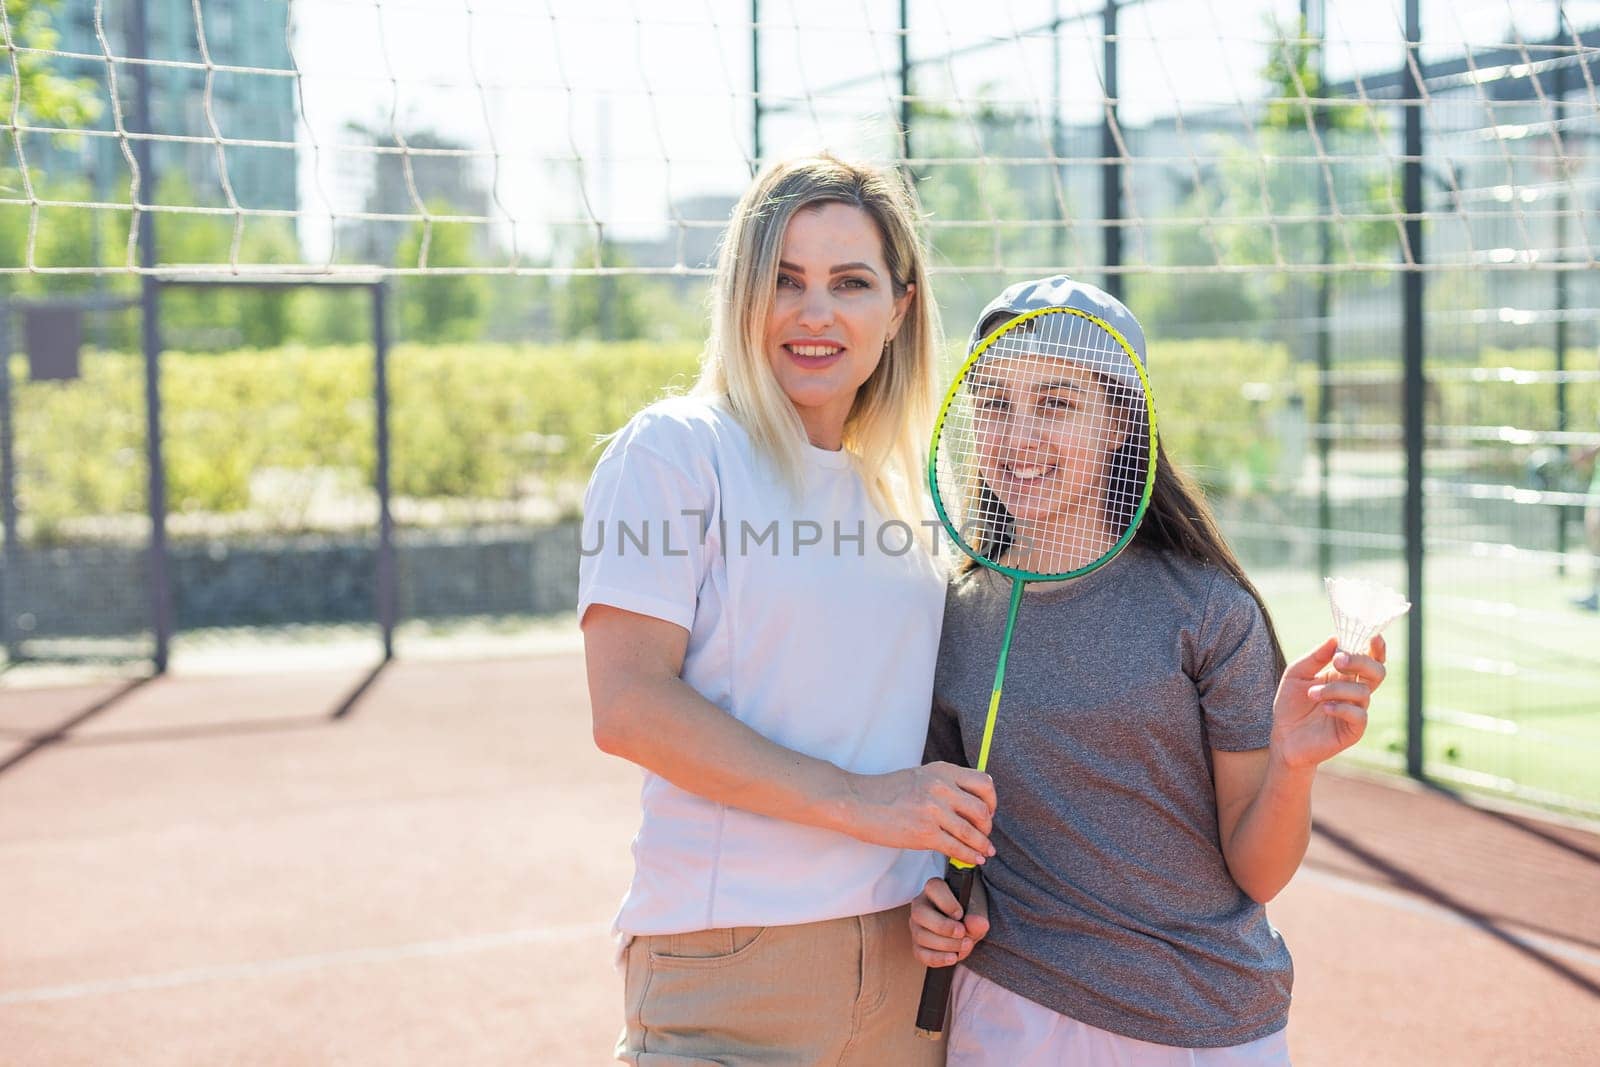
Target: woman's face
[
  {"x": 832, "y": 314},
  {"x": 1044, "y": 430}
]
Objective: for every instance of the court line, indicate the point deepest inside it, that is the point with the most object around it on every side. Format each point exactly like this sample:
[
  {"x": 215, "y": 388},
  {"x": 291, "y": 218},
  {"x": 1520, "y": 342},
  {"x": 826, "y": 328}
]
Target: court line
[
  {"x": 1403, "y": 901},
  {"x": 453, "y": 946}
]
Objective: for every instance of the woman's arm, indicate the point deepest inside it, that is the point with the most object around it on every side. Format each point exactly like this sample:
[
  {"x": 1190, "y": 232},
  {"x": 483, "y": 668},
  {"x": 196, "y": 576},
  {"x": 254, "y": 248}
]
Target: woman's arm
[
  {"x": 1264, "y": 795},
  {"x": 644, "y": 712}
]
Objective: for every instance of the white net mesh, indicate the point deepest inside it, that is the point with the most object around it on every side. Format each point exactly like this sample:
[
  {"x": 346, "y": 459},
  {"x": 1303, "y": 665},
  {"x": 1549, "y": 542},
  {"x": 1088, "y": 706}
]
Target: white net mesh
[
  {"x": 1044, "y": 453},
  {"x": 1148, "y": 137}
]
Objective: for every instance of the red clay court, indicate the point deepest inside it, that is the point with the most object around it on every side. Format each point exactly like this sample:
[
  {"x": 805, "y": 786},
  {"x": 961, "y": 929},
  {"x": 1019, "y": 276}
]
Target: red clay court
[{"x": 419, "y": 865}]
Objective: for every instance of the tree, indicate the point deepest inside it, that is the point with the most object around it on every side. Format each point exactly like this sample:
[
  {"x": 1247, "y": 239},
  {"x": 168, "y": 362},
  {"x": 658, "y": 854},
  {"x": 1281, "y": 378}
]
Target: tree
[
  {"x": 624, "y": 307},
  {"x": 978, "y": 191},
  {"x": 266, "y": 317},
  {"x": 1263, "y": 181},
  {"x": 63, "y": 238},
  {"x": 983, "y": 215},
  {"x": 439, "y": 307},
  {"x": 47, "y": 98}
]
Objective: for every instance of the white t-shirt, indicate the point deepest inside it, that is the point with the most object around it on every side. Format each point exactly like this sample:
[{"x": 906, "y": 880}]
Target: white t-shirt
[{"x": 814, "y": 621}]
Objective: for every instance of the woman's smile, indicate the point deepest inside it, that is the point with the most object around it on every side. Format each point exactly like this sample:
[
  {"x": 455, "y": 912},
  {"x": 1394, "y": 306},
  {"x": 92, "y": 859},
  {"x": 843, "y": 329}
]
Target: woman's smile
[{"x": 814, "y": 355}]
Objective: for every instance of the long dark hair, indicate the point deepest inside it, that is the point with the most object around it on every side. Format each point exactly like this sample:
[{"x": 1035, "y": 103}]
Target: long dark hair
[{"x": 1178, "y": 520}]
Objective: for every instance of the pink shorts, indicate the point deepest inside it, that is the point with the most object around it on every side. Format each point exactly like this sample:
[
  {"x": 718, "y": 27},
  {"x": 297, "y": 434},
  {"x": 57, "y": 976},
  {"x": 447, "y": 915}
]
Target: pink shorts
[{"x": 990, "y": 1025}]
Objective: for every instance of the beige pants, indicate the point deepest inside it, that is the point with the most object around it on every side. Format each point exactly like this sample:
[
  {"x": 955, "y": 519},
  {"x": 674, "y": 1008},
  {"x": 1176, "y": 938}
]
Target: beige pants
[{"x": 842, "y": 992}]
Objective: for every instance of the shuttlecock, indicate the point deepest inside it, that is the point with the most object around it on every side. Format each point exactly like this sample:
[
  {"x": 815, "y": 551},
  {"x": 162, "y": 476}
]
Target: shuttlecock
[{"x": 1361, "y": 609}]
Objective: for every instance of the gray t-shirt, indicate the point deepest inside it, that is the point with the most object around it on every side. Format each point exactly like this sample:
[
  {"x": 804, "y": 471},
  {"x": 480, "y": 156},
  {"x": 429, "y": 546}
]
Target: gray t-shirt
[{"x": 1109, "y": 898}]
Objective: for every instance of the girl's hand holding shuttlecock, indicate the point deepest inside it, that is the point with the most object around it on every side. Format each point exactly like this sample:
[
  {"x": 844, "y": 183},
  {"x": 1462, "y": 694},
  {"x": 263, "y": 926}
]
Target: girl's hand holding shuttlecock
[{"x": 1321, "y": 706}]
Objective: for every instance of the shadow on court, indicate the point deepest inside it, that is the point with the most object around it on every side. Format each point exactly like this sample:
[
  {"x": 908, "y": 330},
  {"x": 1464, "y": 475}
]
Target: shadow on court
[
  {"x": 418, "y": 865},
  {"x": 26, "y": 743}
]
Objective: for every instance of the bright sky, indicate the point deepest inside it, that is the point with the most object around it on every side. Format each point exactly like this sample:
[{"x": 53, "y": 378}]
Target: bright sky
[{"x": 655, "y": 96}]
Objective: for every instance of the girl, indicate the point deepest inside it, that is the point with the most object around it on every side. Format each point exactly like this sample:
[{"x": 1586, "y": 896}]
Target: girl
[
  {"x": 1155, "y": 793},
  {"x": 760, "y": 627}
]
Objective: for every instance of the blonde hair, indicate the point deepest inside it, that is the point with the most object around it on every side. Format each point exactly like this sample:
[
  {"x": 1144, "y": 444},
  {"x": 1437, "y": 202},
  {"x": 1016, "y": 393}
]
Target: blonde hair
[{"x": 887, "y": 427}]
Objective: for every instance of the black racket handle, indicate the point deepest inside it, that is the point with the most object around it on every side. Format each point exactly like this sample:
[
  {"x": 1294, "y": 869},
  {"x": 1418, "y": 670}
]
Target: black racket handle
[{"x": 936, "y": 986}]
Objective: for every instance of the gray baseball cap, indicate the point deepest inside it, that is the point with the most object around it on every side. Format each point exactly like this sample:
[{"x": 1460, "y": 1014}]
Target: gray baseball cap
[{"x": 1061, "y": 291}]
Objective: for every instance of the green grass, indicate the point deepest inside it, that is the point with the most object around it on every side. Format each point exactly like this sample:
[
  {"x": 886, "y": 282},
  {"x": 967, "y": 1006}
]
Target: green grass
[{"x": 1511, "y": 696}]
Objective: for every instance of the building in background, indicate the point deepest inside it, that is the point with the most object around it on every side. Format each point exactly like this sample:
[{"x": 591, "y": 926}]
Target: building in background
[
  {"x": 245, "y": 106},
  {"x": 693, "y": 236},
  {"x": 402, "y": 185}
]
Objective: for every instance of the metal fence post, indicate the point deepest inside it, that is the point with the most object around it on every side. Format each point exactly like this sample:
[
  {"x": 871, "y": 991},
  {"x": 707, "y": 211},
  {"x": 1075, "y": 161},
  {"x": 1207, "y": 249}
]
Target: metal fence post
[
  {"x": 755, "y": 86},
  {"x": 1111, "y": 174},
  {"x": 11, "y": 553},
  {"x": 905, "y": 86},
  {"x": 1415, "y": 383},
  {"x": 387, "y": 594},
  {"x": 149, "y": 304},
  {"x": 1562, "y": 297}
]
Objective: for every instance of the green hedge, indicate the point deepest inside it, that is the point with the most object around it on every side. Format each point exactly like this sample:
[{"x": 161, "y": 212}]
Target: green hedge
[
  {"x": 466, "y": 422},
  {"x": 1209, "y": 423}
]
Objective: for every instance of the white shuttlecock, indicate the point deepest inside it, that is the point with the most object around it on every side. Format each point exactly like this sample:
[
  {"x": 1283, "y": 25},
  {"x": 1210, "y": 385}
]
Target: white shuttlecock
[{"x": 1361, "y": 609}]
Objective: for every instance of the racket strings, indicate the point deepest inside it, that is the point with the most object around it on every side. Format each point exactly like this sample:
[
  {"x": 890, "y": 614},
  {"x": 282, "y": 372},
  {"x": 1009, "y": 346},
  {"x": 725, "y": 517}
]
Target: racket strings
[{"x": 1044, "y": 451}]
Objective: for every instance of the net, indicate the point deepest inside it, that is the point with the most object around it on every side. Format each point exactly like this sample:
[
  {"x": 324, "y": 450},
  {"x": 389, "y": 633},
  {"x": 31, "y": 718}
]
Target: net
[{"x": 1144, "y": 137}]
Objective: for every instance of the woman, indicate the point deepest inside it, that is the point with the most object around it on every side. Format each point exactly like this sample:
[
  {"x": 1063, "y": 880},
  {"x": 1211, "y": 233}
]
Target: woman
[
  {"x": 1155, "y": 756},
  {"x": 760, "y": 621}
]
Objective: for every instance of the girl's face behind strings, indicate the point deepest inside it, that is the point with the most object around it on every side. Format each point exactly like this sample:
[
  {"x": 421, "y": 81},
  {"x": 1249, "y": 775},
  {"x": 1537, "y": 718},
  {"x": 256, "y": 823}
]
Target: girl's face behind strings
[
  {"x": 1045, "y": 429},
  {"x": 833, "y": 312}
]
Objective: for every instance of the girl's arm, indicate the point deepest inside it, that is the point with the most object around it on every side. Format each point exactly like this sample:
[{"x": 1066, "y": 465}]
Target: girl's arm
[
  {"x": 644, "y": 712},
  {"x": 1264, "y": 795}
]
